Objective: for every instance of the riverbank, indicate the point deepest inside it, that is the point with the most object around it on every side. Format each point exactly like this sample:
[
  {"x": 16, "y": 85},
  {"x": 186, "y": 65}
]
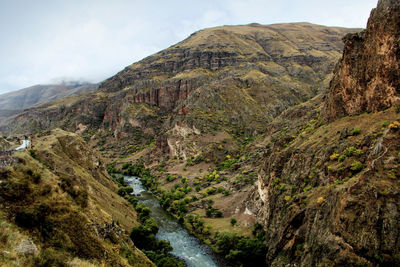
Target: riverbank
[{"x": 185, "y": 246}]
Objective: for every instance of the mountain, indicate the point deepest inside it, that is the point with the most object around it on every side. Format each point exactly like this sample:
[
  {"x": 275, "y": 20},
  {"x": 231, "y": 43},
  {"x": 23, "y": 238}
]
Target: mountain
[
  {"x": 39, "y": 94},
  {"x": 327, "y": 191},
  {"x": 14, "y": 103},
  {"x": 254, "y": 134},
  {"x": 202, "y": 80}
]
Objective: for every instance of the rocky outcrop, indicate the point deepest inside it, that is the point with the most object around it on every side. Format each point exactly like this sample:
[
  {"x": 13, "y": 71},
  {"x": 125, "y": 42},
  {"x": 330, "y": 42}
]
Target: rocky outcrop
[
  {"x": 328, "y": 195},
  {"x": 367, "y": 78},
  {"x": 232, "y": 78},
  {"x": 168, "y": 77}
]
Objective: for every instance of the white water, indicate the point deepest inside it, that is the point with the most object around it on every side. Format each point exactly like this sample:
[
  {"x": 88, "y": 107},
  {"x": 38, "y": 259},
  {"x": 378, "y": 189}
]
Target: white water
[{"x": 186, "y": 247}]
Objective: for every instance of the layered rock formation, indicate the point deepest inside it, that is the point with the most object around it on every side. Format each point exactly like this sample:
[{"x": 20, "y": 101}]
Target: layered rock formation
[
  {"x": 202, "y": 81},
  {"x": 367, "y": 78}
]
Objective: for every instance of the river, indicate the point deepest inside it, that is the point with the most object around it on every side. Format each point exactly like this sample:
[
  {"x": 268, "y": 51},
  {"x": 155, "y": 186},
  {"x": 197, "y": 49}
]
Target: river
[{"x": 186, "y": 246}]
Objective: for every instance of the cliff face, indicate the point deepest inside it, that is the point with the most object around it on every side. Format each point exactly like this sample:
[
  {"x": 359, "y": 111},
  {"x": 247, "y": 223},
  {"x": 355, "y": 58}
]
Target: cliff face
[
  {"x": 202, "y": 81},
  {"x": 327, "y": 194},
  {"x": 304, "y": 52},
  {"x": 367, "y": 78}
]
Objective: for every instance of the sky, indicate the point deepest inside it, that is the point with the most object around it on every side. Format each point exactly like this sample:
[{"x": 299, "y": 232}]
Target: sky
[{"x": 49, "y": 41}]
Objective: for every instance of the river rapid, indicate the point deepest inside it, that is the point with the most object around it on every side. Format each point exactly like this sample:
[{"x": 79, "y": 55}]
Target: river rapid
[{"x": 186, "y": 247}]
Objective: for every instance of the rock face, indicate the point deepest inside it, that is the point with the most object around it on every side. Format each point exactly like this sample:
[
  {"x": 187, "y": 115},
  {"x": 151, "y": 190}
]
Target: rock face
[
  {"x": 329, "y": 195},
  {"x": 302, "y": 51},
  {"x": 225, "y": 78},
  {"x": 367, "y": 78}
]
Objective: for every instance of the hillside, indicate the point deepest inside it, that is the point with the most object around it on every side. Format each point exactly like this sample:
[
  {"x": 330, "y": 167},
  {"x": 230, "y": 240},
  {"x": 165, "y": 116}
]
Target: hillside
[
  {"x": 39, "y": 94},
  {"x": 253, "y": 130},
  {"x": 327, "y": 194},
  {"x": 58, "y": 206},
  {"x": 201, "y": 81},
  {"x": 197, "y": 112}
]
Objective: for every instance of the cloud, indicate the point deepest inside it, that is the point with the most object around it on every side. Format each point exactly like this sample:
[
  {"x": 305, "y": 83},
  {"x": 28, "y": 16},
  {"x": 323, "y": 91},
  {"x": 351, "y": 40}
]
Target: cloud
[{"x": 94, "y": 39}]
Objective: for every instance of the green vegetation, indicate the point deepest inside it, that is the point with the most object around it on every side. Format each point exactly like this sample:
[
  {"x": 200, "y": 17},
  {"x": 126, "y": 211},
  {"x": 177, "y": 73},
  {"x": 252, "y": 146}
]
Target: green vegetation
[
  {"x": 241, "y": 250},
  {"x": 144, "y": 237},
  {"x": 356, "y": 166},
  {"x": 356, "y": 131}
]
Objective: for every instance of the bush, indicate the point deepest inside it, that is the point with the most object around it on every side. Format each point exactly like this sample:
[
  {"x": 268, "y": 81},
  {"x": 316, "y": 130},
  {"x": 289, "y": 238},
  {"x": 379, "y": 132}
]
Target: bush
[
  {"x": 241, "y": 250},
  {"x": 123, "y": 191},
  {"x": 233, "y": 221},
  {"x": 356, "y": 166},
  {"x": 134, "y": 201},
  {"x": 356, "y": 131},
  {"x": 352, "y": 151}
]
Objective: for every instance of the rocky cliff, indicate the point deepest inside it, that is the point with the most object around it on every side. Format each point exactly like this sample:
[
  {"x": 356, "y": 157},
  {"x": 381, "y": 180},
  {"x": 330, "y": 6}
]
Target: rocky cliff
[
  {"x": 201, "y": 82},
  {"x": 367, "y": 78},
  {"x": 328, "y": 194}
]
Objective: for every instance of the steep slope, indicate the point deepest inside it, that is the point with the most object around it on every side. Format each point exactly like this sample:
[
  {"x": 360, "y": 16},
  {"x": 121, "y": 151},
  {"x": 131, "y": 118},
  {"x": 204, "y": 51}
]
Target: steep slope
[
  {"x": 327, "y": 194},
  {"x": 367, "y": 78},
  {"x": 59, "y": 207}
]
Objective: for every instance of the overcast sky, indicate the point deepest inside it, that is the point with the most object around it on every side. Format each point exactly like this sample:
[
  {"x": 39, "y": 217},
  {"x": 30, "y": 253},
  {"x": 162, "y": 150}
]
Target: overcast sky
[{"x": 45, "y": 41}]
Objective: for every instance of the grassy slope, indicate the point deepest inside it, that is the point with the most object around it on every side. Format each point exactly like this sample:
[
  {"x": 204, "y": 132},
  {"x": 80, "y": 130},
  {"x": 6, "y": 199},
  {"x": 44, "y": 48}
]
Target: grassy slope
[{"x": 72, "y": 200}]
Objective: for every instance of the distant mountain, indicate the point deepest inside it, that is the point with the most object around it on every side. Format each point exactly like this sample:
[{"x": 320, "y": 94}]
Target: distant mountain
[{"x": 39, "y": 94}]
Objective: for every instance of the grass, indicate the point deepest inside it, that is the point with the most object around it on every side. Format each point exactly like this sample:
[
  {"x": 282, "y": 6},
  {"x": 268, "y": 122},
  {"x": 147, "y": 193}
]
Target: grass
[
  {"x": 57, "y": 220},
  {"x": 224, "y": 225}
]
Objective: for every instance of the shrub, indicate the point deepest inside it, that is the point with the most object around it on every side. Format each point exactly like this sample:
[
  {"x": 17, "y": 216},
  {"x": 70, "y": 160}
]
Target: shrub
[
  {"x": 341, "y": 158},
  {"x": 334, "y": 156},
  {"x": 123, "y": 191},
  {"x": 134, "y": 201},
  {"x": 218, "y": 214},
  {"x": 211, "y": 191},
  {"x": 288, "y": 198},
  {"x": 320, "y": 200},
  {"x": 233, "y": 221},
  {"x": 356, "y": 166},
  {"x": 356, "y": 131},
  {"x": 352, "y": 151},
  {"x": 307, "y": 188}
]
